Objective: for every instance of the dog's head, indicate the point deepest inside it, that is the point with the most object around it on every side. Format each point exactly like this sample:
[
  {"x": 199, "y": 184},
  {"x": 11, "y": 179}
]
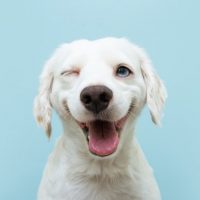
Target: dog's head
[{"x": 98, "y": 88}]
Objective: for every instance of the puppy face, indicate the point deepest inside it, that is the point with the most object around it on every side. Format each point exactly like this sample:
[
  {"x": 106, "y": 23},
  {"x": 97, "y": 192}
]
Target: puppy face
[{"x": 99, "y": 88}]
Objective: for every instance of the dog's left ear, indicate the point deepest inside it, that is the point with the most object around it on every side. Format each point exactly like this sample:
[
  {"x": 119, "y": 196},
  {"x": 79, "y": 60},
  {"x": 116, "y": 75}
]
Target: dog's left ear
[{"x": 156, "y": 92}]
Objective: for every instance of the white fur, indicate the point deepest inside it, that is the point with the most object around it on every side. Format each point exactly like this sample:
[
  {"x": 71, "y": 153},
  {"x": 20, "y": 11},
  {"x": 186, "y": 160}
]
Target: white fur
[{"x": 72, "y": 172}]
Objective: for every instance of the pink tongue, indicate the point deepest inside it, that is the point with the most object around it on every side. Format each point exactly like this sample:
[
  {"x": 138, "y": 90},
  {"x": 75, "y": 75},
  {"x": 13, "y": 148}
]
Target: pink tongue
[{"x": 103, "y": 138}]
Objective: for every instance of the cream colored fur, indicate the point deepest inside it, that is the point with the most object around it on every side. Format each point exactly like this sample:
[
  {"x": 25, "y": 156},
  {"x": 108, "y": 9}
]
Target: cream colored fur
[{"x": 72, "y": 172}]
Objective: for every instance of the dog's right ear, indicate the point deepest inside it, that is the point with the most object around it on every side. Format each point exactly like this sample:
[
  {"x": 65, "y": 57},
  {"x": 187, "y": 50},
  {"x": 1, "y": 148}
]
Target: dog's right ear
[{"x": 42, "y": 105}]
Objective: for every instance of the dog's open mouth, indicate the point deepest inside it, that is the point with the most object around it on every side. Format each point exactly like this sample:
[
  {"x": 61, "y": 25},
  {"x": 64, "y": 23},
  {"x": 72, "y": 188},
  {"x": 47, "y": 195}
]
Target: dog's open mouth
[{"x": 103, "y": 136}]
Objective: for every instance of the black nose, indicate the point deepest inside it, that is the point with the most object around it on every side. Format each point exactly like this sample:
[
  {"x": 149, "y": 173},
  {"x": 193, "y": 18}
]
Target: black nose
[{"x": 96, "y": 98}]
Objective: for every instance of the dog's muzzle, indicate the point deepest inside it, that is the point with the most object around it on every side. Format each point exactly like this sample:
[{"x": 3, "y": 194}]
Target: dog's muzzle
[{"x": 102, "y": 133}]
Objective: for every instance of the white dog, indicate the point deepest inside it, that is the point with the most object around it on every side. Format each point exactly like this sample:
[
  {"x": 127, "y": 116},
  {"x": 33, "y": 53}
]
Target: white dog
[{"x": 98, "y": 88}]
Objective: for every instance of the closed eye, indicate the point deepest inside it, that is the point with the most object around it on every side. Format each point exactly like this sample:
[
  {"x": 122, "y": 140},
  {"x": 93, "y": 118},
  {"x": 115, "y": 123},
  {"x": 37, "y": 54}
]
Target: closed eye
[{"x": 75, "y": 72}]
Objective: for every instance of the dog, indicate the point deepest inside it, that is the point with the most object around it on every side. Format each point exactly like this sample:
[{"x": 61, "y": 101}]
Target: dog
[{"x": 98, "y": 88}]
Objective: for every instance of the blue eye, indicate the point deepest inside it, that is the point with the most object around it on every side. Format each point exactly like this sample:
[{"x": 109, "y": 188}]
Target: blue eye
[{"x": 123, "y": 71}]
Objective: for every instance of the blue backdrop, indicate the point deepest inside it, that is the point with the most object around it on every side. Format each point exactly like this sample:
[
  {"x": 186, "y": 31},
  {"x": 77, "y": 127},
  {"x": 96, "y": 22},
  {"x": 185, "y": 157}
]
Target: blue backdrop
[{"x": 169, "y": 31}]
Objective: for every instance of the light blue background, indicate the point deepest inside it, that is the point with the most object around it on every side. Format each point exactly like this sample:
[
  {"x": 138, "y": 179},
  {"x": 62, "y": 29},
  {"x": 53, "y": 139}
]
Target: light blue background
[{"x": 169, "y": 31}]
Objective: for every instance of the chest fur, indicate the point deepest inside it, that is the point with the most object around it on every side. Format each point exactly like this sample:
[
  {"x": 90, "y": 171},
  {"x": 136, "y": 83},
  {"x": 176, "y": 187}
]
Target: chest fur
[{"x": 83, "y": 188}]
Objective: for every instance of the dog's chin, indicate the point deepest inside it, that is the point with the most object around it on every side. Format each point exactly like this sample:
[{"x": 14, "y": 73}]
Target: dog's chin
[{"x": 103, "y": 136}]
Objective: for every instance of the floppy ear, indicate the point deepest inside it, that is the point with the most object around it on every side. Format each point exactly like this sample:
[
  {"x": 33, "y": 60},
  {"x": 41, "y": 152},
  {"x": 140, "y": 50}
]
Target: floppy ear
[
  {"x": 42, "y": 105},
  {"x": 156, "y": 92}
]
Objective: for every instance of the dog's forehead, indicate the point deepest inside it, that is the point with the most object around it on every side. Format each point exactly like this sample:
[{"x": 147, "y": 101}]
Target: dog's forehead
[{"x": 107, "y": 49}]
